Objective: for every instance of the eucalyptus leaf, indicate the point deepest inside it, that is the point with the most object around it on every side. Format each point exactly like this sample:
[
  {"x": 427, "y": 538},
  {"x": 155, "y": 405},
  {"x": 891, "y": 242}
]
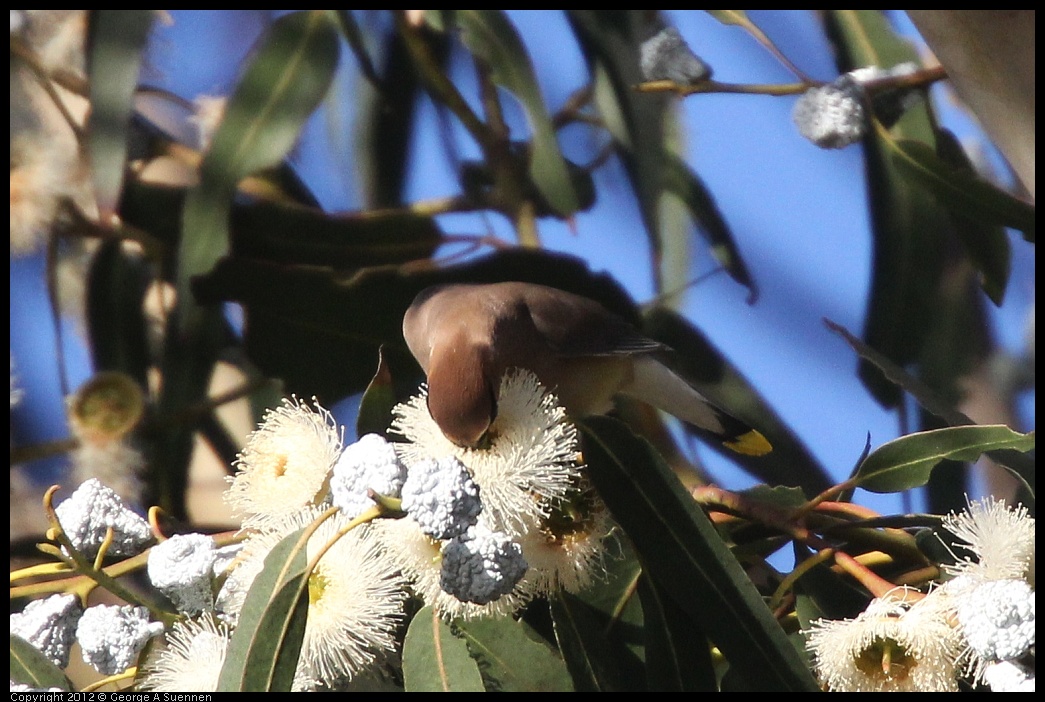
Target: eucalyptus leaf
[
  {"x": 375, "y": 409},
  {"x": 679, "y": 656},
  {"x": 31, "y": 667},
  {"x": 611, "y": 41},
  {"x": 510, "y": 657},
  {"x": 683, "y": 182},
  {"x": 600, "y": 630},
  {"x": 116, "y": 286},
  {"x": 683, "y": 553},
  {"x": 434, "y": 660},
  {"x": 490, "y": 36},
  {"x": 263, "y": 652},
  {"x": 114, "y": 63},
  {"x": 907, "y": 462},
  {"x": 911, "y": 229},
  {"x": 286, "y": 80},
  {"x": 961, "y": 189}
]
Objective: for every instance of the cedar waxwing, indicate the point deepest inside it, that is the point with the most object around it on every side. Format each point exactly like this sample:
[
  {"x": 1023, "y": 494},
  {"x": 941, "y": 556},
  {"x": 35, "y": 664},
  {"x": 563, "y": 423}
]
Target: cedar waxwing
[{"x": 466, "y": 336}]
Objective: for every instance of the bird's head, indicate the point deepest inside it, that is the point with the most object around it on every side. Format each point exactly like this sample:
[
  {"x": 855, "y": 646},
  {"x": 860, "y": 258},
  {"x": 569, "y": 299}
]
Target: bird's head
[{"x": 461, "y": 398}]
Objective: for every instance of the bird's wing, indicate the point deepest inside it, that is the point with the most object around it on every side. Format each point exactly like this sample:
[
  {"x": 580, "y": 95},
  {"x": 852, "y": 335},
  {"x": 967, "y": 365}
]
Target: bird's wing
[{"x": 577, "y": 326}]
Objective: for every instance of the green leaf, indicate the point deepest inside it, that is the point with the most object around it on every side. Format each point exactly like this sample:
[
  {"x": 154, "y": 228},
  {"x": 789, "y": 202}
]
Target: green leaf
[
  {"x": 263, "y": 653},
  {"x": 611, "y": 41},
  {"x": 434, "y": 660},
  {"x": 375, "y": 409},
  {"x": 682, "y": 552},
  {"x": 490, "y": 36},
  {"x": 986, "y": 243},
  {"x": 907, "y": 462},
  {"x": 1021, "y": 466},
  {"x": 286, "y": 80},
  {"x": 116, "y": 286},
  {"x": 511, "y": 659},
  {"x": 600, "y": 631},
  {"x": 683, "y": 182},
  {"x": 114, "y": 63},
  {"x": 31, "y": 667},
  {"x": 961, "y": 189},
  {"x": 678, "y": 656},
  {"x": 911, "y": 229}
]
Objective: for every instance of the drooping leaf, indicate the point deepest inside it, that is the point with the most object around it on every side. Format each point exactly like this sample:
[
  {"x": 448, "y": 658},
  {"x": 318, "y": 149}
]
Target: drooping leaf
[
  {"x": 738, "y": 18},
  {"x": 263, "y": 652},
  {"x": 1020, "y": 464},
  {"x": 986, "y": 243},
  {"x": 678, "y": 655},
  {"x": 683, "y": 553},
  {"x": 434, "y": 660},
  {"x": 510, "y": 657},
  {"x": 684, "y": 183},
  {"x": 116, "y": 286},
  {"x": 117, "y": 40},
  {"x": 490, "y": 36},
  {"x": 31, "y": 667},
  {"x": 600, "y": 630},
  {"x": 910, "y": 228},
  {"x": 285, "y": 81},
  {"x": 961, "y": 189},
  {"x": 907, "y": 462},
  {"x": 375, "y": 409},
  {"x": 611, "y": 41},
  {"x": 294, "y": 234}
]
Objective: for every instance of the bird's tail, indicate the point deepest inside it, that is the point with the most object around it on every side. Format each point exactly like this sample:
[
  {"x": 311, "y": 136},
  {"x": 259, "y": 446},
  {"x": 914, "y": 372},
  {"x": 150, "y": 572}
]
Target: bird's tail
[{"x": 661, "y": 387}]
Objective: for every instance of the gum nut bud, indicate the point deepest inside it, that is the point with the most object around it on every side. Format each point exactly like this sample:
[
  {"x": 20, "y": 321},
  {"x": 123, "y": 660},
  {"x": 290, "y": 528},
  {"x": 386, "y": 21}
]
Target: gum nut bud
[{"x": 106, "y": 407}]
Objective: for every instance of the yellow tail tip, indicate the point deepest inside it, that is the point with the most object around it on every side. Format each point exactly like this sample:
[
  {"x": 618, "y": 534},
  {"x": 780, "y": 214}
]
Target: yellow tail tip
[{"x": 750, "y": 443}]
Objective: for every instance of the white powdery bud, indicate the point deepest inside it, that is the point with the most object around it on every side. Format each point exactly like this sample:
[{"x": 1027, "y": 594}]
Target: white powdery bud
[
  {"x": 112, "y": 636},
  {"x": 441, "y": 497},
  {"x": 181, "y": 568},
  {"x": 667, "y": 56},
  {"x": 997, "y": 618},
  {"x": 832, "y": 116},
  {"x": 91, "y": 510},
  {"x": 481, "y": 566},
  {"x": 49, "y": 625},
  {"x": 1008, "y": 676},
  {"x": 370, "y": 463}
]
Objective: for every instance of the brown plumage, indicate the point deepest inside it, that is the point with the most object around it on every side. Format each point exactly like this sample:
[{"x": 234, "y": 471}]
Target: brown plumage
[{"x": 466, "y": 336}]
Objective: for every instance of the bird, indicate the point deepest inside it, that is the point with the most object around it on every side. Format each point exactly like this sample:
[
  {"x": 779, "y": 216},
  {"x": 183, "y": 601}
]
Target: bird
[{"x": 465, "y": 336}]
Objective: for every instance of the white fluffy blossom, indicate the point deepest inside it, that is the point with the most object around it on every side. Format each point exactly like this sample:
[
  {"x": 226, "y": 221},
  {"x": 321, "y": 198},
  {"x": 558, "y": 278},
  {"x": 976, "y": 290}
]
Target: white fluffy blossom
[
  {"x": 356, "y": 596},
  {"x": 891, "y": 646},
  {"x": 192, "y": 659},
  {"x": 1000, "y": 537},
  {"x": 286, "y": 464},
  {"x": 531, "y": 464}
]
